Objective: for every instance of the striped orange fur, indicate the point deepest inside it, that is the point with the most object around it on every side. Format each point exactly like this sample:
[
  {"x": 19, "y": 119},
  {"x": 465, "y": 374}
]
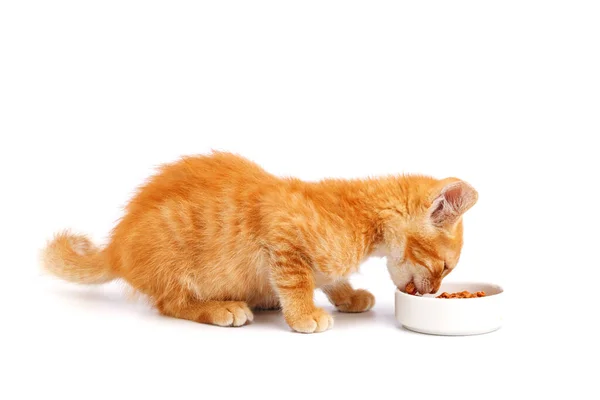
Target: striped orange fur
[{"x": 210, "y": 238}]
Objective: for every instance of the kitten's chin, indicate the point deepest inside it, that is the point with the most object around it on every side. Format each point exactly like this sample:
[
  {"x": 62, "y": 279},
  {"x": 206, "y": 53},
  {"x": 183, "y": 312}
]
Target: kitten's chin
[
  {"x": 401, "y": 285},
  {"x": 420, "y": 287}
]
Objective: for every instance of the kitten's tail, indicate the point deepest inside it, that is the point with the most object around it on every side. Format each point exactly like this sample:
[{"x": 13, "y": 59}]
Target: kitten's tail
[{"x": 75, "y": 258}]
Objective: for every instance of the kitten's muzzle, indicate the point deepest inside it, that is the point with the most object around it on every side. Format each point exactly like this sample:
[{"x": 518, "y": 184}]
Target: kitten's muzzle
[{"x": 424, "y": 286}]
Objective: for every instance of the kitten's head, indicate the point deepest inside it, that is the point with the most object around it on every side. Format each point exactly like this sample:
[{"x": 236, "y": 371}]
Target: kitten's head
[{"x": 425, "y": 240}]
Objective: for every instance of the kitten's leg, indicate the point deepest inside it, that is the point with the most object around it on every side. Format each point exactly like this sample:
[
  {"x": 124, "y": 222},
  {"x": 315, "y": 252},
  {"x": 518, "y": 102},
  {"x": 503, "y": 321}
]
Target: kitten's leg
[
  {"x": 294, "y": 281},
  {"x": 222, "y": 313},
  {"x": 347, "y": 299}
]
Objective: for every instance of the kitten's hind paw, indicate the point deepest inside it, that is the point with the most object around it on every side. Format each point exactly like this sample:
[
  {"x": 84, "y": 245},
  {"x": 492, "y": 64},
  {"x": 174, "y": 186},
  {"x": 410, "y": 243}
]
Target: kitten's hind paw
[
  {"x": 360, "y": 301},
  {"x": 235, "y": 313},
  {"x": 222, "y": 313}
]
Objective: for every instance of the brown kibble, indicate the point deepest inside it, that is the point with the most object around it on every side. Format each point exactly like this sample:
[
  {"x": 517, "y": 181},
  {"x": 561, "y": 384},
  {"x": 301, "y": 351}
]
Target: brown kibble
[
  {"x": 465, "y": 294},
  {"x": 461, "y": 295},
  {"x": 410, "y": 288}
]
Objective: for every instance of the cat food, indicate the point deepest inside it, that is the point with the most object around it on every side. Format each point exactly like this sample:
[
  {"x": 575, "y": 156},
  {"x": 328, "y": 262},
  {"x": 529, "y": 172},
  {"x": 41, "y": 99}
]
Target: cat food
[
  {"x": 410, "y": 288},
  {"x": 461, "y": 295},
  {"x": 465, "y": 294}
]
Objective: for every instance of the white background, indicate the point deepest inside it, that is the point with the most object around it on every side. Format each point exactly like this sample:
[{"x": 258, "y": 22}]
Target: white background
[{"x": 506, "y": 95}]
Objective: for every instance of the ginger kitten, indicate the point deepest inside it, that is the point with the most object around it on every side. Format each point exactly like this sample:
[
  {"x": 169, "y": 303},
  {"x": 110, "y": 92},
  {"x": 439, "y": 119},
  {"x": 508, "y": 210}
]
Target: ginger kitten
[{"x": 210, "y": 238}]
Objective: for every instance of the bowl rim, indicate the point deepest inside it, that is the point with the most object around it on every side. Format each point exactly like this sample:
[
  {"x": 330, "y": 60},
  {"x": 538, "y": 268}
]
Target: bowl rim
[{"x": 412, "y": 296}]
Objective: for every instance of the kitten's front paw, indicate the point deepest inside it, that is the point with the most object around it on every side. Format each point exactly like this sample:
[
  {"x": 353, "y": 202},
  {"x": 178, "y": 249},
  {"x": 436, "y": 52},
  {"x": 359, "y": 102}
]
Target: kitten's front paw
[
  {"x": 360, "y": 301},
  {"x": 317, "y": 321}
]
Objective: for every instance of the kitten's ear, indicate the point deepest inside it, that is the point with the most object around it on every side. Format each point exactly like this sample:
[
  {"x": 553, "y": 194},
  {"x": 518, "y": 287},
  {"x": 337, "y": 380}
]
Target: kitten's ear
[{"x": 451, "y": 201}]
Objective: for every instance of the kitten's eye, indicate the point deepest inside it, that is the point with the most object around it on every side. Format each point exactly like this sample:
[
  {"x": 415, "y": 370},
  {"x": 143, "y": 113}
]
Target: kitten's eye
[{"x": 446, "y": 267}]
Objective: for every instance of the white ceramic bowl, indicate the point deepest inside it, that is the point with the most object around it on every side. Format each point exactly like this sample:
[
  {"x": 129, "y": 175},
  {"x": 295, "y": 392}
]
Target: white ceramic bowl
[{"x": 426, "y": 314}]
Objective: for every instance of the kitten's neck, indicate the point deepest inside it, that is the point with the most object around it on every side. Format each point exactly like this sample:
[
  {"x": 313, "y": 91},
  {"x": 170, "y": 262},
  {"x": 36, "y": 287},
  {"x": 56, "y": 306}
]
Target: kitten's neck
[{"x": 362, "y": 204}]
